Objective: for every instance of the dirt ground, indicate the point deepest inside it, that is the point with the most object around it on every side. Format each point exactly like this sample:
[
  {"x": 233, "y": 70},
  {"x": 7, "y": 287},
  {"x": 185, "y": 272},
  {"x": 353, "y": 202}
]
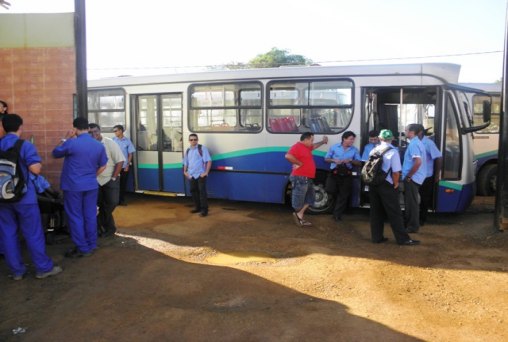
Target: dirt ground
[{"x": 247, "y": 273}]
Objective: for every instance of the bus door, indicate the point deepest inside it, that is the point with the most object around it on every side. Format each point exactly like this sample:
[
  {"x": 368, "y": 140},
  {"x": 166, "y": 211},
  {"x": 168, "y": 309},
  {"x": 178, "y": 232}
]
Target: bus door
[
  {"x": 159, "y": 149},
  {"x": 394, "y": 108}
]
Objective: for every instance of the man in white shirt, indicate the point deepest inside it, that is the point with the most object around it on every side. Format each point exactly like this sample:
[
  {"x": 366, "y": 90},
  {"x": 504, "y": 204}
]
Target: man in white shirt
[{"x": 109, "y": 183}]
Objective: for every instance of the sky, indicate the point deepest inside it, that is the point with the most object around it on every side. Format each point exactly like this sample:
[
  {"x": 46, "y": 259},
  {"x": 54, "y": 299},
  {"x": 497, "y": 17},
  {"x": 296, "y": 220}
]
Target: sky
[{"x": 127, "y": 37}]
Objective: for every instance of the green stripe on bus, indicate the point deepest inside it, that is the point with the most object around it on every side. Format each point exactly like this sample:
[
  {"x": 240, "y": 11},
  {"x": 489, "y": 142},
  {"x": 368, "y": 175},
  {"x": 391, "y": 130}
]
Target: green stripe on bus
[
  {"x": 234, "y": 154},
  {"x": 485, "y": 154},
  {"x": 156, "y": 166},
  {"x": 241, "y": 153},
  {"x": 450, "y": 185}
]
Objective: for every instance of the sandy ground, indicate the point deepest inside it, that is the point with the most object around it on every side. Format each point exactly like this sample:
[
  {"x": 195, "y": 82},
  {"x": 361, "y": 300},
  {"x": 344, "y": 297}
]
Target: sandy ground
[{"x": 247, "y": 273}]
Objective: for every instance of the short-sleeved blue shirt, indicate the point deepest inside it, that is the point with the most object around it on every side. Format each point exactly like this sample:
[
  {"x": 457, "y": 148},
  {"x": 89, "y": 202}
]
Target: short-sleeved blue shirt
[
  {"x": 338, "y": 152},
  {"x": 391, "y": 159},
  {"x": 366, "y": 151},
  {"x": 29, "y": 156},
  {"x": 414, "y": 150},
  {"x": 431, "y": 153},
  {"x": 126, "y": 146},
  {"x": 196, "y": 164},
  {"x": 83, "y": 157}
]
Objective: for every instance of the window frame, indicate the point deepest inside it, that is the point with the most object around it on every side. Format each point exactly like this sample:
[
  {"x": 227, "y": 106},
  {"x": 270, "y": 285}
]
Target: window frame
[
  {"x": 493, "y": 114},
  {"x": 449, "y": 101},
  {"x": 305, "y": 108},
  {"x": 97, "y": 112},
  {"x": 237, "y": 108}
]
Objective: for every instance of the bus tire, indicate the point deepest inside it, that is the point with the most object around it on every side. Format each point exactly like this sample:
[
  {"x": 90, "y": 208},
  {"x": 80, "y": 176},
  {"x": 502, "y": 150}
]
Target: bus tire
[
  {"x": 487, "y": 178},
  {"x": 324, "y": 201}
]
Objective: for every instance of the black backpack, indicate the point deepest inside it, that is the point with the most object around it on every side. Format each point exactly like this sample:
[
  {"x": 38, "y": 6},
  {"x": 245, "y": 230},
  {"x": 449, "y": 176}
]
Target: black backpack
[
  {"x": 12, "y": 181},
  {"x": 372, "y": 171}
]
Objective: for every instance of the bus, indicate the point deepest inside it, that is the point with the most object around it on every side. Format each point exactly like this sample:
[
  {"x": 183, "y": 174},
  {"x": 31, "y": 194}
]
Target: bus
[
  {"x": 249, "y": 118},
  {"x": 486, "y": 141}
]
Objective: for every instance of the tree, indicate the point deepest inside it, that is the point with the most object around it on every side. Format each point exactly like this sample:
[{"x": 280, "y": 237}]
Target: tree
[{"x": 276, "y": 58}]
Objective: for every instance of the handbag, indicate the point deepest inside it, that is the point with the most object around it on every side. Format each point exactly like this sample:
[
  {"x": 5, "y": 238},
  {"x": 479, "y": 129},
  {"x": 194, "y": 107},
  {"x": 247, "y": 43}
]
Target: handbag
[{"x": 341, "y": 170}]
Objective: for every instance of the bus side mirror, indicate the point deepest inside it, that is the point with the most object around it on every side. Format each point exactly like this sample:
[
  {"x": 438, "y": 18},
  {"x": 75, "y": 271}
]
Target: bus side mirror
[
  {"x": 486, "y": 120},
  {"x": 486, "y": 111}
]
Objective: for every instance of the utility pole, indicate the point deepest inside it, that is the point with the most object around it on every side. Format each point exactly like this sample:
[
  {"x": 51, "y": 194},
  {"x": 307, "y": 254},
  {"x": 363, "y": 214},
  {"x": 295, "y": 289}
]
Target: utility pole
[
  {"x": 501, "y": 212},
  {"x": 81, "y": 103}
]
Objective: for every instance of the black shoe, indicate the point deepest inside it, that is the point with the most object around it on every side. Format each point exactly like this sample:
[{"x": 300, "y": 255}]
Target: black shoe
[
  {"x": 203, "y": 213},
  {"x": 409, "y": 243},
  {"x": 337, "y": 219},
  {"x": 381, "y": 241},
  {"x": 75, "y": 253},
  {"x": 193, "y": 211}
]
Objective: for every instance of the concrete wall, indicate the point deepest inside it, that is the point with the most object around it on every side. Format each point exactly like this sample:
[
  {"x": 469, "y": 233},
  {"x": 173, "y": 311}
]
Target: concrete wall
[{"x": 38, "y": 78}]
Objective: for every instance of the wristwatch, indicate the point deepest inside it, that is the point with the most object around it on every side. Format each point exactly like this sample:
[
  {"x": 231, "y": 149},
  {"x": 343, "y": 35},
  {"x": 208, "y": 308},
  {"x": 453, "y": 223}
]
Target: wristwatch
[{"x": 63, "y": 140}]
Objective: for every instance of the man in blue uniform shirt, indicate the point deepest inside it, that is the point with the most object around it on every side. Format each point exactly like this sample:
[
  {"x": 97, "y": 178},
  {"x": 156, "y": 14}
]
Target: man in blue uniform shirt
[
  {"x": 23, "y": 214},
  {"x": 373, "y": 142},
  {"x": 413, "y": 175},
  {"x": 384, "y": 197},
  {"x": 342, "y": 157},
  {"x": 433, "y": 162},
  {"x": 85, "y": 159},
  {"x": 128, "y": 151},
  {"x": 196, "y": 166}
]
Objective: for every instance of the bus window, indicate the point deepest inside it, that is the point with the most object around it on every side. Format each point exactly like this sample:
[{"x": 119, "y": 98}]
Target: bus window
[
  {"x": 478, "y": 113},
  {"x": 147, "y": 138},
  {"x": 229, "y": 107},
  {"x": 106, "y": 108},
  {"x": 452, "y": 154},
  {"x": 315, "y": 106},
  {"x": 172, "y": 122}
]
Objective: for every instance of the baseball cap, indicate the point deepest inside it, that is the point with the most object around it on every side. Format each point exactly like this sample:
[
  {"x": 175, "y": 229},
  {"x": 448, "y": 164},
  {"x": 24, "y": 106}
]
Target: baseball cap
[{"x": 385, "y": 134}]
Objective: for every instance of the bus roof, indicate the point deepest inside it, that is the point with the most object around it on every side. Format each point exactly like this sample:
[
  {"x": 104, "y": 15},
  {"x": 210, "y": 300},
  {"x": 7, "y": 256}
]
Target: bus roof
[
  {"x": 488, "y": 87},
  {"x": 447, "y": 72}
]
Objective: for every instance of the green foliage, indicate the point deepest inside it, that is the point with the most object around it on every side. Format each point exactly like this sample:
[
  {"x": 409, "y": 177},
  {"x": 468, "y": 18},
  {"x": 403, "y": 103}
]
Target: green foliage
[{"x": 276, "y": 58}]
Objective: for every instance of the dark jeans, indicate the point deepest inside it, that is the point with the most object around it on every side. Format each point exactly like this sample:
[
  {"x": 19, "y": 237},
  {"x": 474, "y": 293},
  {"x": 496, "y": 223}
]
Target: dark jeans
[
  {"x": 384, "y": 202},
  {"x": 107, "y": 201},
  {"x": 124, "y": 177},
  {"x": 426, "y": 195},
  {"x": 199, "y": 196}
]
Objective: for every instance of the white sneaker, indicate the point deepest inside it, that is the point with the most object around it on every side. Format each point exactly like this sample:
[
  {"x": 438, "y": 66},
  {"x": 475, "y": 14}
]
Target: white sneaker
[{"x": 54, "y": 271}]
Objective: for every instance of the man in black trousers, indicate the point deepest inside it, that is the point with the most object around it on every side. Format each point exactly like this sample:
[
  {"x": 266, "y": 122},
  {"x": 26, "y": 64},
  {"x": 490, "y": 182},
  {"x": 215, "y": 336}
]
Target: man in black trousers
[{"x": 384, "y": 198}]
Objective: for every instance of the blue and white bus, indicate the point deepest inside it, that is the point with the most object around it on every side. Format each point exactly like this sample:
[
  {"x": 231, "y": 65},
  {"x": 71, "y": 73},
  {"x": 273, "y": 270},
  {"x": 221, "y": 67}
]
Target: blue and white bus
[
  {"x": 249, "y": 118},
  {"x": 486, "y": 141}
]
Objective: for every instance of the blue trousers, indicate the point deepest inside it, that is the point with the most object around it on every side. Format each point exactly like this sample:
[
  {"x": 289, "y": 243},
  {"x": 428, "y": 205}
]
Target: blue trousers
[
  {"x": 81, "y": 210},
  {"x": 28, "y": 218}
]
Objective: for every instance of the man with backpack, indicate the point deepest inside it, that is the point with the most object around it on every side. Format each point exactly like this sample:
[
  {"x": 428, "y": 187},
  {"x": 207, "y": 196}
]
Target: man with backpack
[
  {"x": 384, "y": 194},
  {"x": 196, "y": 166},
  {"x": 18, "y": 203}
]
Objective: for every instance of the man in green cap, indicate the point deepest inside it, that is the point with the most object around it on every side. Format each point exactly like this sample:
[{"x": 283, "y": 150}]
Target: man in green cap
[{"x": 384, "y": 197}]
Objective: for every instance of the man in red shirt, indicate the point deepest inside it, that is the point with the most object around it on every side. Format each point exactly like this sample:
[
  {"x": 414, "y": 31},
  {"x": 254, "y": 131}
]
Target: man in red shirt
[{"x": 304, "y": 170}]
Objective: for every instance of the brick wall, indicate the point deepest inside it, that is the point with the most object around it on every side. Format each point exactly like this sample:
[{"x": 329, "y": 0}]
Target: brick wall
[{"x": 38, "y": 84}]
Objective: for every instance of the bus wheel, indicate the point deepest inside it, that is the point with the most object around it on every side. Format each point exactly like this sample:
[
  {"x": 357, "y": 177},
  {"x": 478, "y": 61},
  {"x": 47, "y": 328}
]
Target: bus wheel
[
  {"x": 487, "y": 180},
  {"x": 324, "y": 201}
]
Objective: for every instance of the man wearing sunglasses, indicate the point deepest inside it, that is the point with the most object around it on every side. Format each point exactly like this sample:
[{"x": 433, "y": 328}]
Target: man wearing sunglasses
[{"x": 196, "y": 166}]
